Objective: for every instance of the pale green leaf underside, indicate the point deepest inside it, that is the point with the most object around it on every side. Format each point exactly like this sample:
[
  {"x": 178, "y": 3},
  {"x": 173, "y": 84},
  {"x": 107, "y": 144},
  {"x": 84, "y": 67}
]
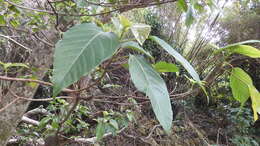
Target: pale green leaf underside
[
  {"x": 141, "y": 32},
  {"x": 178, "y": 57},
  {"x": 83, "y": 47},
  {"x": 147, "y": 80},
  {"x": 135, "y": 46}
]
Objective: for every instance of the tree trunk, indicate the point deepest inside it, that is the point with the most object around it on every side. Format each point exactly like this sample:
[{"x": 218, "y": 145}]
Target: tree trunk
[{"x": 41, "y": 58}]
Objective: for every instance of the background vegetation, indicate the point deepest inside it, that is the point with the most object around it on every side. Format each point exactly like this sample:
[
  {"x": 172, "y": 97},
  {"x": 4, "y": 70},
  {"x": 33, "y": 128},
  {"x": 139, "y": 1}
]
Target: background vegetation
[{"x": 147, "y": 72}]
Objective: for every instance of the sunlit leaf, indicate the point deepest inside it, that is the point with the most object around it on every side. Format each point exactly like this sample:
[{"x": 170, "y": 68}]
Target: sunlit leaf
[
  {"x": 163, "y": 66},
  {"x": 228, "y": 47},
  {"x": 2, "y": 20},
  {"x": 178, "y": 57},
  {"x": 239, "y": 81},
  {"x": 124, "y": 21},
  {"x": 246, "y": 50},
  {"x": 255, "y": 98},
  {"x": 135, "y": 46},
  {"x": 147, "y": 80},
  {"x": 82, "y": 48},
  {"x": 141, "y": 32}
]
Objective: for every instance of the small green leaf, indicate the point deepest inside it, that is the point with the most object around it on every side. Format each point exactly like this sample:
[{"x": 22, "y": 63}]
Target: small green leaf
[
  {"x": 189, "y": 17},
  {"x": 2, "y": 20},
  {"x": 147, "y": 80},
  {"x": 178, "y": 57},
  {"x": 246, "y": 50},
  {"x": 255, "y": 97},
  {"x": 163, "y": 66},
  {"x": 44, "y": 122},
  {"x": 182, "y": 5},
  {"x": 135, "y": 46},
  {"x": 100, "y": 130},
  {"x": 124, "y": 21},
  {"x": 55, "y": 124},
  {"x": 198, "y": 7},
  {"x": 239, "y": 82},
  {"x": 141, "y": 32},
  {"x": 125, "y": 65}
]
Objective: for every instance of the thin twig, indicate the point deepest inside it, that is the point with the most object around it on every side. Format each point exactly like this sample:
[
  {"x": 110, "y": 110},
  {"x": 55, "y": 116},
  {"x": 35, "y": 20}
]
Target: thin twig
[
  {"x": 139, "y": 5},
  {"x": 9, "y": 104},
  {"x": 19, "y": 44},
  {"x": 31, "y": 80}
]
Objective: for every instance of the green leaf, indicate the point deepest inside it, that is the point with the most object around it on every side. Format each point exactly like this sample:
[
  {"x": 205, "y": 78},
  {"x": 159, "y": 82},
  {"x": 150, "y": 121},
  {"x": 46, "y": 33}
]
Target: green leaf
[
  {"x": 241, "y": 43},
  {"x": 255, "y": 97},
  {"x": 141, "y": 32},
  {"x": 44, "y": 122},
  {"x": 100, "y": 130},
  {"x": 198, "y": 7},
  {"x": 2, "y": 20},
  {"x": 182, "y": 5},
  {"x": 114, "y": 123},
  {"x": 83, "y": 47},
  {"x": 189, "y": 17},
  {"x": 246, "y": 50},
  {"x": 239, "y": 82},
  {"x": 163, "y": 66},
  {"x": 124, "y": 21},
  {"x": 147, "y": 80},
  {"x": 236, "y": 44},
  {"x": 178, "y": 57},
  {"x": 136, "y": 47}
]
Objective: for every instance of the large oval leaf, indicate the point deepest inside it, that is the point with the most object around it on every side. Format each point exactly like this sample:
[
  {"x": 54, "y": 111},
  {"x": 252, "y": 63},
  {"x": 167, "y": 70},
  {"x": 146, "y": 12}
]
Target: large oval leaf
[
  {"x": 147, "y": 80},
  {"x": 83, "y": 47},
  {"x": 178, "y": 57}
]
